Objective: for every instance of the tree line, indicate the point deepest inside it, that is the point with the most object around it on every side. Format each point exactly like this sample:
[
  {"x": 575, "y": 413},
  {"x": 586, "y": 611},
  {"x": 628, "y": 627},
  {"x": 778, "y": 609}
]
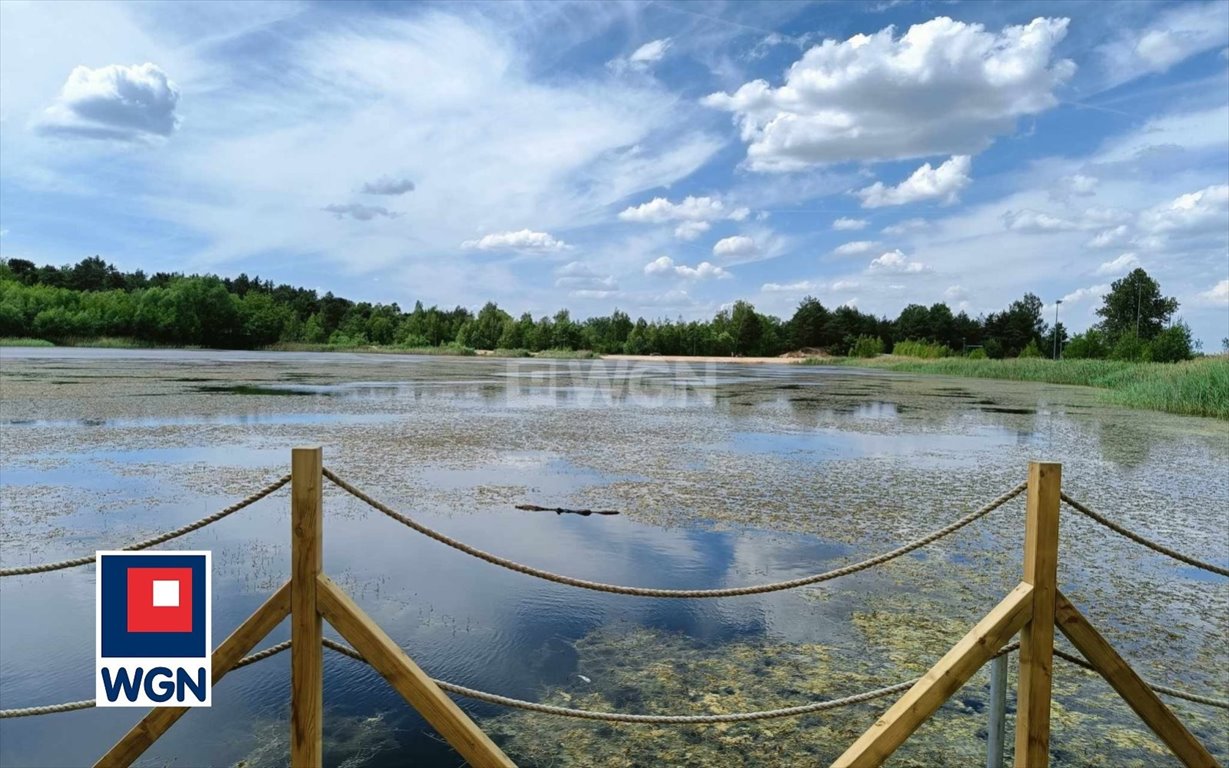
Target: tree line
[{"x": 92, "y": 299}]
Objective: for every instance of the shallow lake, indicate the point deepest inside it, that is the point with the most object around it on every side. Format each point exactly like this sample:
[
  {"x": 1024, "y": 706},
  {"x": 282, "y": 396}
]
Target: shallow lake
[{"x": 723, "y": 475}]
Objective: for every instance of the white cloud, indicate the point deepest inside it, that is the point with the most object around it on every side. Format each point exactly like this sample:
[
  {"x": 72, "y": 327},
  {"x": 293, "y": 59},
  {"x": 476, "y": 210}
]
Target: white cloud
[
  {"x": 690, "y": 230},
  {"x": 359, "y": 212},
  {"x": 522, "y": 240},
  {"x": 943, "y": 183},
  {"x": 125, "y": 103},
  {"x": 844, "y": 224},
  {"x": 650, "y": 52},
  {"x": 955, "y": 293},
  {"x": 1075, "y": 185},
  {"x": 1121, "y": 265},
  {"x": 855, "y": 248},
  {"x": 1174, "y": 35},
  {"x": 1081, "y": 295},
  {"x": 846, "y": 285},
  {"x": 1108, "y": 238},
  {"x": 664, "y": 265},
  {"x": 902, "y": 227},
  {"x": 387, "y": 185},
  {"x": 802, "y": 286},
  {"x": 642, "y": 59},
  {"x": 1197, "y": 212},
  {"x": 736, "y": 247},
  {"x": 896, "y": 263},
  {"x": 944, "y": 87},
  {"x": 1028, "y": 220},
  {"x": 1217, "y": 294},
  {"x": 659, "y": 210}
]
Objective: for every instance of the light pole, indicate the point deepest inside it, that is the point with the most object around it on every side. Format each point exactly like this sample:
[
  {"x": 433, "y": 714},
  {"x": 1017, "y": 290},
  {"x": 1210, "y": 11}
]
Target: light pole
[{"x": 1056, "y": 303}]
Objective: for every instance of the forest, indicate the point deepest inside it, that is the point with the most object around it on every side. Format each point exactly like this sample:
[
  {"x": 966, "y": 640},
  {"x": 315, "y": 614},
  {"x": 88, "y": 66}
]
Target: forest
[{"x": 92, "y": 299}]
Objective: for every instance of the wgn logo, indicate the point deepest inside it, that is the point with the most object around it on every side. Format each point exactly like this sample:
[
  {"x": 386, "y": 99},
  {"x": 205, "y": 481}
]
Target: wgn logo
[{"x": 153, "y": 630}]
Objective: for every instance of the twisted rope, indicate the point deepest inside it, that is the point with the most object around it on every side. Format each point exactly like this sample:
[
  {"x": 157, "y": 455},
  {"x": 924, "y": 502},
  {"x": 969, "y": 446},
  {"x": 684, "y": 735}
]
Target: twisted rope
[
  {"x": 598, "y": 586},
  {"x": 1165, "y": 689},
  {"x": 70, "y": 706},
  {"x": 189, "y": 528},
  {"x": 1138, "y": 539}
]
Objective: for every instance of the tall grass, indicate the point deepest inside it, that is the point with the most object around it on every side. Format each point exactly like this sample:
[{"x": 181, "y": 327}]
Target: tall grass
[
  {"x": 22, "y": 341},
  {"x": 1196, "y": 387}
]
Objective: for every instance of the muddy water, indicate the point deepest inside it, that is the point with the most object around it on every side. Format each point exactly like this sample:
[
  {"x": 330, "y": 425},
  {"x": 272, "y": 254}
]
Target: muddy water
[{"x": 725, "y": 475}]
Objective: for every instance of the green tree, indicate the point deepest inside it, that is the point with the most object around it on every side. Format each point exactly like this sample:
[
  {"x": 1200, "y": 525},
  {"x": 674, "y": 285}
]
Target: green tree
[
  {"x": 748, "y": 328},
  {"x": 1172, "y": 344},
  {"x": 1135, "y": 305}
]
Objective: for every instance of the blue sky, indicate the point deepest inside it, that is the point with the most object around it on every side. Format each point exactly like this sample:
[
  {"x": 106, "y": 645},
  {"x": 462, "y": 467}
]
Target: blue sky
[{"x": 666, "y": 158}]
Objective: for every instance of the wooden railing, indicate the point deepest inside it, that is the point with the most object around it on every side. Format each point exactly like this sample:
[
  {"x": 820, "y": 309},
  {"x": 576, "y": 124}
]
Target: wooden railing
[{"x": 1034, "y": 608}]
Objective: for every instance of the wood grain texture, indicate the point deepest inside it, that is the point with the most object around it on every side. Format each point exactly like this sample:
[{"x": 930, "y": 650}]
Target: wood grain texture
[
  {"x": 306, "y": 651},
  {"x": 241, "y": 641},
  {"x": 942, "y": 680},
  {"x": 414, "y": 685},
  {"x": 1122, "y": 678},
  {"x": 1037, "y": 637}
]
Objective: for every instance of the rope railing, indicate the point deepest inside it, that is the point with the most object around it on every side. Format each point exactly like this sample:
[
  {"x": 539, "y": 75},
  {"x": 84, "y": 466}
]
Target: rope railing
[
  {"x": 72, "y": 706},
  {"x": 620, "y": 717},
  {"x": 1140, "y": 539},
  {"x": 160, "y": 539},
  {"x": 598, "y": 586}
]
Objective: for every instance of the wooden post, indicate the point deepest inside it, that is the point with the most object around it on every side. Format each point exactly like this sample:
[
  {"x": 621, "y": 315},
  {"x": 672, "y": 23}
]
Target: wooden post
[
  {"x": 306, "y": 651},
  {"x": 159, "y": 720},
  {"x": 419, "y": 690},
  {"x": 1118, "y": 673},
  {"x": 942, "y": 680},
  {"x": 1037, "y": 636}
]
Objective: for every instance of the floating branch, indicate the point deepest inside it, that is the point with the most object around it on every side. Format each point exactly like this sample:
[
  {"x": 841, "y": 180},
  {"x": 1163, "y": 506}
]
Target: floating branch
[{"x": 564, "y": 511}]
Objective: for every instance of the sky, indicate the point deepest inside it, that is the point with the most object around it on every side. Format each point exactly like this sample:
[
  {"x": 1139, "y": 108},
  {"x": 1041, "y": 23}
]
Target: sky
[{"x": 665, "y": 158}]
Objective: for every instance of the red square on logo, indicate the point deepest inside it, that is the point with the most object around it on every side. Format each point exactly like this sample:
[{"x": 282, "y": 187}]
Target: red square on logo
[{"x": 159, "y": 599}]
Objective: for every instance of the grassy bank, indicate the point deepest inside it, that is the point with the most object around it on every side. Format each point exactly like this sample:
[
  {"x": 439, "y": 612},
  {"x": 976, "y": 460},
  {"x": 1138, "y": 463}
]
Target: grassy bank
[
  {"x": 1198, "y": 387},
  {"x": 21, "y": 341}
]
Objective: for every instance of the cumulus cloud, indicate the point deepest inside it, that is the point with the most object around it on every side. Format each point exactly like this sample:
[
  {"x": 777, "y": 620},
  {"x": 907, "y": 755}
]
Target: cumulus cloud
[
  {"x": 844, "y": 224},
  {"x": 583, "y": 281},
  {"x": 125, "y": 103},
  {"x": 690, "y": 230},
  {"x": 659, "y": 210},
  {"x": 652, "y": 51},
  {"x": 943, "y": 183},
  {"x": 855, "y": 248},
  {"x": 665, "y": 266},
  {"x": 846, "y": 285},
  {"x": 1079, "y": 184},
  {"x": 1028, "y": 220},
  {"x": 1121, "y": 265},
  {"x": 387, "y": 185},
  {"x": 1108, "y": 238},
  {"x": 643, "y": 57},
  {"x": 359, "y": 212},
  {"x": 736, "y": 247},
  {"x": 896, "y": 263},
  {"x": 1174, "y": 35},
  {"x": 522, "y": 240},
  {"x": 944, "y": 87},
  {"x": 1217, "y": 294},
  {"x": 955, "y": 293},
  {"x": 1194, "y": 213}
]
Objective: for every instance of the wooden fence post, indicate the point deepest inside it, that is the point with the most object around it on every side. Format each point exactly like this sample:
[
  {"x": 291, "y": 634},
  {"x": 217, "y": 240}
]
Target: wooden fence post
[
  {"x": 306, "y": 650},
  {"x": 1037, "y": 636}
]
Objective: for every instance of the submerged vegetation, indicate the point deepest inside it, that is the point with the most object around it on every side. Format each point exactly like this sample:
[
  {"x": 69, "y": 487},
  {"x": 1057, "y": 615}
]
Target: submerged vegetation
[{"x": 1195, "y": 387}]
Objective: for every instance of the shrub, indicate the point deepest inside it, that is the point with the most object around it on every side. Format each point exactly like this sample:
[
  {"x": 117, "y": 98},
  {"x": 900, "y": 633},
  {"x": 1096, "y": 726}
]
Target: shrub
[
  {"x": 1031, "y": 349},
  {"x": 922, "y": 349},
  {"x": 1129, "y": 347},
  {"x": 866, "y": 346},
  {"x": 1089, "y": 345},
  {"x": 977, "y": 354},
  {"x": 1171, "y": 345}
]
